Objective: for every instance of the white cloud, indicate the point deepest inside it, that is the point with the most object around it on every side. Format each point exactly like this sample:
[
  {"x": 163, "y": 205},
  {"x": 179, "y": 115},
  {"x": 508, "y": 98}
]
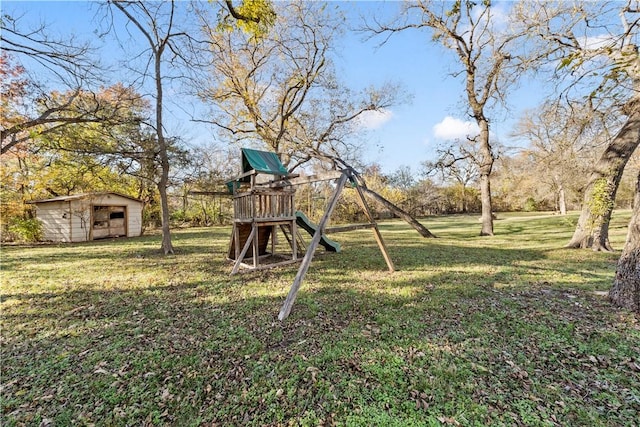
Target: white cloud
[
  {"x": 374, "y": 119},
  {"x": 596, "y": 42},
  {"x": 451, "y": 128},
  {"x": 498, "y": 13}
]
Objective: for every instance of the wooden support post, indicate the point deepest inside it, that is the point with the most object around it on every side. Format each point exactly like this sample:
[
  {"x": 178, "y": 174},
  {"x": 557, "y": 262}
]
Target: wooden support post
[
  {"x": 273, "y": 240},
  {"x": 301, "y": 241},
  {"x": 290, "y": 235},
  {"x": 256, "y": 240},
  {"x": 376, "y": 231},
  {"x": 306, "y": 261},
  {"x": 294, "y": 233},
  {"x": 236, "y": 238}
]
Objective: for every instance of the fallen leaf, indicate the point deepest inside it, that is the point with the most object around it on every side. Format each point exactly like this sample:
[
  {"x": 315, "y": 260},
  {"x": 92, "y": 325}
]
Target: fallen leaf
[
  {"x": 313, "y": 371},
  {"x": 449, "y": 421}
]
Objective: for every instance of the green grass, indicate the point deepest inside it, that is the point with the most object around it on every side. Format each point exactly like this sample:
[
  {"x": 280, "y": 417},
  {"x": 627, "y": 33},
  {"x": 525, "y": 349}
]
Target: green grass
[{"x": 508, "y": 330}]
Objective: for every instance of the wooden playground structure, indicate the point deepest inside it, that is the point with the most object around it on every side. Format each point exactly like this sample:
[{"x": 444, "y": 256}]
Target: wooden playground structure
[{"x": 264, "y": 206}]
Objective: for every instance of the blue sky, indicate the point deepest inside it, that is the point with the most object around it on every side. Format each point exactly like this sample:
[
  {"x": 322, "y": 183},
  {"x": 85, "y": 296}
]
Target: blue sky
[{"x": 407, "y": 134}]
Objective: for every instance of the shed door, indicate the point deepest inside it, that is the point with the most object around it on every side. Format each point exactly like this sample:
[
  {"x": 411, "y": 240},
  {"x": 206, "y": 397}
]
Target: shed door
[{"x": 109, "y": 221}]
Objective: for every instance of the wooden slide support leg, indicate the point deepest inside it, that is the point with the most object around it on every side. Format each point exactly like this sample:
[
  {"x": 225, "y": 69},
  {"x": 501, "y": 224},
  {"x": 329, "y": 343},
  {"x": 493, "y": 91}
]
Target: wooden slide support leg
[
  {"x": 248, "y": 243},
  {"x": 313, "y": 245}
]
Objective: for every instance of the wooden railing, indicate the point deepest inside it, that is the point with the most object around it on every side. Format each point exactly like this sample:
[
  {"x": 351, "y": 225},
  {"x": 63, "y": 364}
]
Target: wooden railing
[{"x": 264, "y": 204}]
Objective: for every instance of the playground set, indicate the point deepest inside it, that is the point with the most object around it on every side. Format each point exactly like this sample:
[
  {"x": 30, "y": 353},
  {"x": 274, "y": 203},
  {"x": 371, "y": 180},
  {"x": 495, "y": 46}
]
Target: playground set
[{"x": 264, "y": 208}]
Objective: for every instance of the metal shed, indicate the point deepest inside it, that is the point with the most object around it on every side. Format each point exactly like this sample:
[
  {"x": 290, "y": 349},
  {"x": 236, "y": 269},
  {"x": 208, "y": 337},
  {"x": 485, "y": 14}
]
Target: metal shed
[{"x": 89, "y": 216}]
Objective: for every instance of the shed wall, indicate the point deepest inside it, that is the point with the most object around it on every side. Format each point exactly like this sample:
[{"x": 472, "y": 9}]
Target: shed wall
[
  {"x": 71, "y": 220},
  {"x": 55, "y": 224},
  {"x": 134, "y": 211},
  {"x": 80, "y": 212}
]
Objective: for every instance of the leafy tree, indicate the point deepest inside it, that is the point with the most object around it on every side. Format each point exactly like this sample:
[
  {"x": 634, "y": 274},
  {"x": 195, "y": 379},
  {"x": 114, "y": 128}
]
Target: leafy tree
[
  {"x": 30, "y": 106},
  {"x": 254, "y": 17},
  {"x": 518, "y": 186},
  {"x": 126, "y": 147},
  {"x": 76, "y": 157}
]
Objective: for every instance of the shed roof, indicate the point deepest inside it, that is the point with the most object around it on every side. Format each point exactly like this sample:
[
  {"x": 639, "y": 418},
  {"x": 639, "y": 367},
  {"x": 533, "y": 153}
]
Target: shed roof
[{"x": 82, "y": 196}]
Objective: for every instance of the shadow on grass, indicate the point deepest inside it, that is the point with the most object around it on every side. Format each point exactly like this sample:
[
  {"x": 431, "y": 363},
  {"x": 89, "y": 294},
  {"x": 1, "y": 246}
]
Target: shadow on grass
[
  {"x": 416, "y": 254},
  {"x": 203, "y": 241},
  {"x": 362, "y": 346},
  {"x": 198, "y": 352}
]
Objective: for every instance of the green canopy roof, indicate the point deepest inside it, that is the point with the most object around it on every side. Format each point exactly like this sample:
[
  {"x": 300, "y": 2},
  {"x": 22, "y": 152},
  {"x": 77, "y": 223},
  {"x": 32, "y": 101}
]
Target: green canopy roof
[{"x": 262, "y": 161}]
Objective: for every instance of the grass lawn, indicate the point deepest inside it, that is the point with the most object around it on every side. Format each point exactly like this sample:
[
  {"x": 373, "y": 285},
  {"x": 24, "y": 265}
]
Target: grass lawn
[{"x": 507, "y": 330}]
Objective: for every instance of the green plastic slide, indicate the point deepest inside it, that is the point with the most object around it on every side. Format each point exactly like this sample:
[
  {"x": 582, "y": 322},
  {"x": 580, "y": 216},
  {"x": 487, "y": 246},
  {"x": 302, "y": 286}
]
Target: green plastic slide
[{"x": 303, "y": 221}]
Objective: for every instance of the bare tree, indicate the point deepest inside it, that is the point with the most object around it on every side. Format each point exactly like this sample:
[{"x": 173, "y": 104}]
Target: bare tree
[
  {"x": 488, "y": 53},
  {"x": 280, "y": 90},
  {"x": 158, "y": 25},
  {"x": 155, "y": 22},
  {"x": 458, "y": 163},
  {"x": 563, "y": 142}
]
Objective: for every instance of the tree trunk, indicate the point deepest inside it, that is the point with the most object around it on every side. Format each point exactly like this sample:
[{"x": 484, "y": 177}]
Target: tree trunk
[
  {"x": 166, "y": 247},
  {"x": 562, "y": 200},
  {"x": 486, "y": 165},
  {"x": 626, "y": 285},
  {"x": 592, "y": 230},
  {"x": 402, "y": 214},
  {"x": 464, "y": 199}
]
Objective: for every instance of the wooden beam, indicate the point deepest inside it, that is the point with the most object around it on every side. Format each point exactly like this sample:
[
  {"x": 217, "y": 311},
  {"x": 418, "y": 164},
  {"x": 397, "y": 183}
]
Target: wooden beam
[
  {"x": 250, "y": 268},
  {"x": 210, "y": 193},
  {"x": 306, "y": 261},
  {"x": 352, "y": 227},
  {"x": 401, "y": 213},
  {"x": 244, "y": 175},
  {"x": 325, "y": 176}
]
